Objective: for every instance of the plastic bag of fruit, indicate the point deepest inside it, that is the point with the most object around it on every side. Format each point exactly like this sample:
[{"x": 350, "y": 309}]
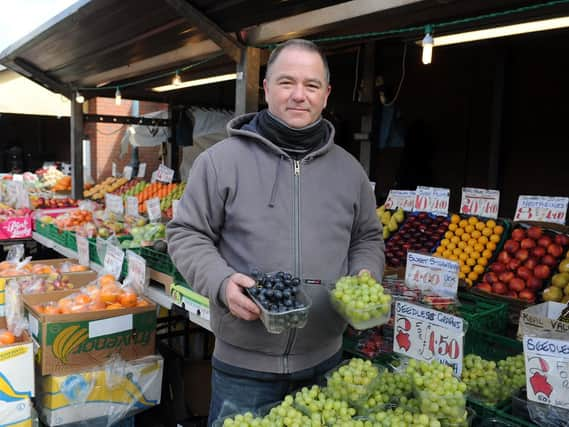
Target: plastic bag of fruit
[{"x": 14, "y": 311}]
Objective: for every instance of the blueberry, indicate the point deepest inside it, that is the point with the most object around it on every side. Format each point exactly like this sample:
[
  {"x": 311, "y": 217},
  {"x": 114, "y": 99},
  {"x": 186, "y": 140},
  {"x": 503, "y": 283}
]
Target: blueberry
[
  {"x": 269, "y": 293},
  {"x": 278, "y": 295},
  {"x": 288, "y": 302},
  {"x": 279, "y": 286},
  {"x": 287, "y": 276},
  {"x": 254, "y": 291},
  {"x": 295, "y": 281},
  {"x": 287, "y": 283},
  {"x": 280, "y": 275},
  {"x": 286, "y": 294}
]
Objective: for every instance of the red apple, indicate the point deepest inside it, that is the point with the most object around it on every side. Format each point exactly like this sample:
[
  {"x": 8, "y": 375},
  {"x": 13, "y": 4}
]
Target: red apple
[
  {"x": 549, "y": 260},
  {"x": 485, "y": 287},
  {"x": 498, "y": 267},
  {"x": 542, "y": 271},
  {"x": 534, "y": 284},
  {"x": 544, "y": 241},
  {"x": 504, "y": 257},
  {"x": 562, "y": 239},
  {"x": 517, "y": 284},
  {"x": 530, "y": 263},
  {"x": 506, "y": 277},
  {"x": 555, "y": 250},
  {"x": 538, "y": 252},
  {"x": 512, "y": 294},
  {"x": 490, "y": 277},
  {"x": 523, "y": 273},
  {"x": 499, "y": 288},
  {"x": 514, "y": 264},
  {"x": 527, "y": 244},
  {"x": 522, "y": 255},
  {"x": 518, "y": 234},
  {"x": 535, "y": 232},
  {"x": 527, "y": 296},
  {"x": 511, "y": 246}
]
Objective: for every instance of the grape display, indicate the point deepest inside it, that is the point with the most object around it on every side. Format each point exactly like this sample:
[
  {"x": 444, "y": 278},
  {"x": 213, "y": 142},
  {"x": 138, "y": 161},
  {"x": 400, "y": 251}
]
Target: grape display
[
  {"x": 315, "y": 403},
  {"x": 353, "y": 381}
]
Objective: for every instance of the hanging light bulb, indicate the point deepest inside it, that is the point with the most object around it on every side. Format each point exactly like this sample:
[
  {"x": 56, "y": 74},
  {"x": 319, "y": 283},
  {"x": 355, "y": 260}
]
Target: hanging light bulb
[
  {"x": 428, "y": 45},
  {"x": 79, "y": 99},
  {"x": 118, "y": 97},
  {"x": 177, "y": 80}
]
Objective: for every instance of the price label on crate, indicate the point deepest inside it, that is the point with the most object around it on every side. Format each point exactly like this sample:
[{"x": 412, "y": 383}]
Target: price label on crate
[
  {"x": 547, "y": 371},
  {"x": 477, "y": 201},
  {"x": 82, "y": 250},
  {"x": 141, "y": 170},
  {"x": 403, "y": 199},
  {"x": 164, "y": 174},
  {"x": 431, "y": 274},
  {"x": 114, "y": 257},
  {"x": 175, "y": 207},
  {"x": 127, "y": 172},
  {"x": 136, "y": 270},
  {"x": 153, "y": 209},
  {"x": 131, "y": 206},
  {"x": 426, "y": 334},
  {"x": 114, "y": 203},
  {"x": 432, "y": 199},
  {"x": 541, "y": 208}
]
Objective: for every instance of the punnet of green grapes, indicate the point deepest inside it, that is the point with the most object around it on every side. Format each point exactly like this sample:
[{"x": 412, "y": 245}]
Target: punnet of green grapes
[
  {"x": 352, "y": 381},
  {"x": 392, "y": 388},
  {"x": 361, "y": 301},
  {"x": 320, "y": 407}
]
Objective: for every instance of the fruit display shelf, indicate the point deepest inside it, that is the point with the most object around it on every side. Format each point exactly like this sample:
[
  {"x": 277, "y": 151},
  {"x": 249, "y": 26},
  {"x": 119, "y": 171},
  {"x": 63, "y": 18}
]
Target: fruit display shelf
[{"x": 483, "y": 314}]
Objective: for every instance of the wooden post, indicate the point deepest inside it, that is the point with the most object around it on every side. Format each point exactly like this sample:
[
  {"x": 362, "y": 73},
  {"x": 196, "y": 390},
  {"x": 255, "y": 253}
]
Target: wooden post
[
  {"x": 76, "y": 128},
  {"x": 247, "y": 83}
]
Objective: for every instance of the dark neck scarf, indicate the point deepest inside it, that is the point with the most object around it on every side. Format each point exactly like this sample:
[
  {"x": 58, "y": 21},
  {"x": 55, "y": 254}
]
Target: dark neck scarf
[{"x": 297, "y": 143}]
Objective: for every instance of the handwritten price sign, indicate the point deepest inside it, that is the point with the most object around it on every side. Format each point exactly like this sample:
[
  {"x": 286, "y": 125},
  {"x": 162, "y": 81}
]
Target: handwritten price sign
[
  {"x": 540, "y": 208},
  {"x": 403, "y": 199},
  {"x": 136, "y": 270},
  {"x": 432, "y": 199},
  {"x": 426, "y": 334},
  {"x": 114, "y": 203},
  {"x": 114, "y": 258},
  {"x": 82, "y": 250},
  {"x": 431, "y": 274},
  {"x": 477, "y": 201},
  {"x": 547, "y": 371},
  {"x": 164, "y": 174}
]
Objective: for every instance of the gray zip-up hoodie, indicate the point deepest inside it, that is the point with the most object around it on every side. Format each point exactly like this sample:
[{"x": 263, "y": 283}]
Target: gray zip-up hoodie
[{"x": 249, "y": 205}]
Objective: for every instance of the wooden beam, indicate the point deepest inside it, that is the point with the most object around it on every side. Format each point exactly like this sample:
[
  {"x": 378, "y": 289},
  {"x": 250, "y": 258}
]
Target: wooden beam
[
  {"x": 213, "y": 31},
  {"x": 128, "y": 120},
  {"x": 247, "y": 83},
  {"x": 497, "y": 118},
  {"x": 31, "y": 71},
  {"x": 76, "y": 131}
]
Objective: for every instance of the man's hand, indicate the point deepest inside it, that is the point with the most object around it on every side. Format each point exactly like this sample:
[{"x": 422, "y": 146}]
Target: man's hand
[{"x": 238, "y": 303}]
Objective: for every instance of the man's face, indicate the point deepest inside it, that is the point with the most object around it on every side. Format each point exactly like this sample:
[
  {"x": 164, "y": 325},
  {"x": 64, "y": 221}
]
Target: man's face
[{"x": 296, "y": 89}]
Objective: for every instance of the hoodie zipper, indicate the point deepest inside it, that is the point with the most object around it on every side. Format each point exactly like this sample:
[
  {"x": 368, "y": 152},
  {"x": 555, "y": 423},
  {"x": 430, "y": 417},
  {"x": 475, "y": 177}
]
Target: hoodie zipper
[{"x": 296, "y": 250}]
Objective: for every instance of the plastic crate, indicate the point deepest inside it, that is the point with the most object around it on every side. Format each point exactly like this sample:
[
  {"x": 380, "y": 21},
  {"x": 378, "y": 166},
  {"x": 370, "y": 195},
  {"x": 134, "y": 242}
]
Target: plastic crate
[
  {"x": 499, "y": 416},
  {"x": 483, "y": 314},
  {"x": 124, "y": 270},
  {"x": 55, "y": 234},
  {"x": 490, "y": 346},
  {"x": 179, "y": 279},
  {"x": 71, "y": 240},
  {"x": 94, "y": 254},
  {"x": 159, "y": 261}
]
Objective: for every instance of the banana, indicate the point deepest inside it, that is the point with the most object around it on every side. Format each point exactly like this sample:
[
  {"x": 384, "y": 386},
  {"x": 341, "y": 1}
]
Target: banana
[
  {"x": 78, "y": 338},
  {"x": 60, "y": 340}
]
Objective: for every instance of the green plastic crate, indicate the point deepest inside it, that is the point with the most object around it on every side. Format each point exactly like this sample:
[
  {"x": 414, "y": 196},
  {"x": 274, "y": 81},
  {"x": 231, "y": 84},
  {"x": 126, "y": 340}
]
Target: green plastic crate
[
  {"x": 483, "y": 314},
  {"x": 179, "y": 279},
  {"x": 94, "y": 255},
  {"x": 500, "y": 416},
  {"x": 54, "y": 234},
  {"x": 490, "y": 346},
  {"x": 159, "y": 261},
  {"x": 71, "y": 240}
]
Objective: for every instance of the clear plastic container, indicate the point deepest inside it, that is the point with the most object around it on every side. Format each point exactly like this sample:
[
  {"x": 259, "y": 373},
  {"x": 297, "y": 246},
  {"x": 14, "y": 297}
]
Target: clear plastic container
[
  {"x": 374, "y": 315},
  {"x": 441, "y": 406},
  {"x": 277, "y": 323},
  {"x": 340, "y": 388}
]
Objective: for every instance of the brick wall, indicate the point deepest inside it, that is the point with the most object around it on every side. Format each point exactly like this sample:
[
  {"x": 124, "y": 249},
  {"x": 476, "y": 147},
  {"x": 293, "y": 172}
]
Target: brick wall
[{"x": 106, "y": 138}]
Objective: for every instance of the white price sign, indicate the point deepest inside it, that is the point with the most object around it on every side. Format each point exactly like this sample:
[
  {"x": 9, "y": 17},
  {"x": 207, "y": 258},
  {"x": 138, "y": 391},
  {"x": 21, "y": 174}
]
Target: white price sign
[
  {"x": 114, "y": 169},
  {"x": 114, "y": 257},
  {"x": 141, "y": 170},
  {"x": 131, "y": 206},
  {"x": 426, "y": 334},
  {"x": 114, "y": 203},
  {"x": 18, "y": 177},
  {"x": 431, "y": 274},
  {"x": 547, "y": 371},
  {"x": 136, "y": 269},
  {"x": 432, "y": 199},
  {"x": 127, "y": 172},
  {"x": 153, "y": 209},
  {"x": 403, "y": 199},
  {"x": 83, "y": 250},
  {"x": 164, "y": 174},
  {"x": 541, "y": 208},
  {"x": 175, "y": 207},
  {"x": 481, "y": 202}
]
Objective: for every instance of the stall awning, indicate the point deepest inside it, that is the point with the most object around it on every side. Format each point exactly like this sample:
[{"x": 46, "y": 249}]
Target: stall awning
[{"x": 19, "y": 95}]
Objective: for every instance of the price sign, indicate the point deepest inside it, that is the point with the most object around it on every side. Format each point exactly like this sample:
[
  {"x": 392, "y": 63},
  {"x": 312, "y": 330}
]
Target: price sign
[
  {"x": 113, "y": 203},
  {"x": 141, "y": 170},
  {"x": 477, "y": 201},
  {"x": 114, "y": 257},
  {"x": 403, "y": 199},
  {"x": 83, "y": 250},
  {"x": 431, "y": 274},
  {"x": 541, "y": 208},
  {"x": 153, "y": 209},
  {"x": 175, "y": 207},
  {"x": 547, "y": 371},
  {"x": 18, "y": 177},
  {"x": 114, "y": 169},
  {"x": 432, "y": 199},
  {"x": 136, "y": 270},
  {"x": 426, "y": 334},
  {"x": 164, "y": 174},
  {"x": 127, "y": 172},
  {"x": 131, "y": 206}
]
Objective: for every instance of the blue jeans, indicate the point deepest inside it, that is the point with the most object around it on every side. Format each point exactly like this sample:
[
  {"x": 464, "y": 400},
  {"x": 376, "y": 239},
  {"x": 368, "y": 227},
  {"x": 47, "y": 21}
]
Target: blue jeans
[{"x": 231, "y": 395}]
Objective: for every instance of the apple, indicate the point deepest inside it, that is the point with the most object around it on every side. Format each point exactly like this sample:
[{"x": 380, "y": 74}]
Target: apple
[
  {"x": 555, "y": 250},
  {"x": 518, "y": 234},
  {"x": 522, "y": 255},
  {"x": 506, "y": 276},
  {"x": 549, "y": 260},
  {"x": 490, "y": 277},
  {"x": 511, "y": 246},
  {"x": 526, "y": 295},
  {"x": 530, "y": 263},
  {"x": 544, "y": 241},
  {"x": 538, "y": 252},
  {"x": 499, "y": 288},
  {"x": 534, "y": 284},
  {"x": 484, "y": 287},
  {"x": 498, "y": 267},
  {"x": 517, "y": 284},
  {"x": 514, "y": 264},
  {"x": 562, "y": 239},
  {"x": 512, "y": 294},
  {"x": 523, "y": 273},
  {"x": 504, "y": 257},
  {"x": 542, "y": 271},
  {"x": 527, "y": 244},
  {"x": 534, "y": 232}
]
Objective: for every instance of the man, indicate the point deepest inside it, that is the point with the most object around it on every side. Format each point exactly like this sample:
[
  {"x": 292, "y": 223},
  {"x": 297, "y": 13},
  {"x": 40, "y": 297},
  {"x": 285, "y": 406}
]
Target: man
[{"x": 277, "y": 195}]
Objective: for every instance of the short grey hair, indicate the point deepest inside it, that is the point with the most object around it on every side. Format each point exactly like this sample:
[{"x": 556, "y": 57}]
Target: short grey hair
[{"x": 301, "y": 44}]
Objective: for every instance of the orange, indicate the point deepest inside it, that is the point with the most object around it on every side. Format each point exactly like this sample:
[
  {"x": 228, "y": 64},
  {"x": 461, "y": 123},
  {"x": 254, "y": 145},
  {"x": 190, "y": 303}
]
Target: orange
[
  {"x": 482, "y": 261},
  {"x": 483, "y": 240},
  {"x": 114, "y": 306},
  {"x": 453, "y": 257},
  {"x": 465, "y": 269},
  {"x": 462, "y": 245},
  {"x": 476, "y": 234},
  {"x": 457, "y": 251},
  {"x": 51, "y": 309},
  {"x": 455, "y": 240},
  {"x": 471, "y": 262},
  {"x": 473, "y": 276},
  {"x": 82, "y": 299},
  {"x": 463, "y": 223},
  {"x": 446, "y": 254},
  {"x": 491, "y": 245},
  {"x": 469, "y": 229},
  {"x": 478, "y": 247},
  {"x": 478, "y": 269},
  {"x": 128, "y": 299},
  {"x": 480, "y": 226},
  {"x": 494, "y": 238},
  {"x": 472, "y": 220},
  {"x": 107, "y": 279},
  {"x": 465, "y": 237},
  {"x": 7, "y": 337},
  {"x": 486, "y": 231},
  {"x": 449, "y": 235},
  {"x": 498, "y": 229},
  {"x": 445, "y": 242},
  {"x": 142, "y": 303},
  {"x": 451, "y": 246},
  {"x": 487, "y": 253},
  {"x": 439, "y": 250},
  {"x": 454, "y": 219},
  {"x": 459, "y": 232},
  {"x": 490, "y": 223},
  {"x": 461, "y": 275},
  {"x": 452, "y": 227},
  {"x": 463, "y": 256}
]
